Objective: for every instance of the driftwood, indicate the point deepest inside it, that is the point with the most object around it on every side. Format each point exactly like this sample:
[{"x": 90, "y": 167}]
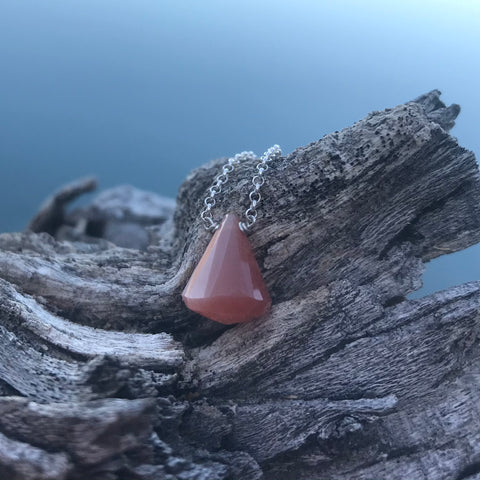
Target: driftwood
[{"x": 106, "y": 375}]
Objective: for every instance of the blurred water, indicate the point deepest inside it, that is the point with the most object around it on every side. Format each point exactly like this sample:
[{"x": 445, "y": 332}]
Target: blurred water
[{"x": 141, "y": 92}]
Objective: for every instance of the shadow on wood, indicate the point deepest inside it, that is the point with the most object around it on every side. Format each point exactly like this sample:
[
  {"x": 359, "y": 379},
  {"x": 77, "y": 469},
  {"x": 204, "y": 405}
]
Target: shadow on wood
[{"x": 105, "y": 374}]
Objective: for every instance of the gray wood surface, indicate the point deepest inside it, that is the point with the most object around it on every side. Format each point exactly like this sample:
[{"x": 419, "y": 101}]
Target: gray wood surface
[{"x": 104, "y": 374}]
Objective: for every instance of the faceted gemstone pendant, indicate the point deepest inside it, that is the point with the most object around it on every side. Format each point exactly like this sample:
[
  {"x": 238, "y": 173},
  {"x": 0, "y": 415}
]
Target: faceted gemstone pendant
[{"x": 227, "y": 286}]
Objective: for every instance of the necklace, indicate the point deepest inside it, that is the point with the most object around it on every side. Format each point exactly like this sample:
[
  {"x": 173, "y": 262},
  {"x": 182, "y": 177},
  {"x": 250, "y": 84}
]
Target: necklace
[{"x": 226, "y": 285}]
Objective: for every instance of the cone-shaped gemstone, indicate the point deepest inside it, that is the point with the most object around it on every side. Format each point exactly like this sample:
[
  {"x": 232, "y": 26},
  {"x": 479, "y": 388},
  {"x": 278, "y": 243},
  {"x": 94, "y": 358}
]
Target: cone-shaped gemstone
[{"x": 227, "y": 286}]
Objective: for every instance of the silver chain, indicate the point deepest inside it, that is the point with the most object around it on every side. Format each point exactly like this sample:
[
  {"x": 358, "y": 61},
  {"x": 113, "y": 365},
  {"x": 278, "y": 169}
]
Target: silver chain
[{"x": 254, "y": 196}]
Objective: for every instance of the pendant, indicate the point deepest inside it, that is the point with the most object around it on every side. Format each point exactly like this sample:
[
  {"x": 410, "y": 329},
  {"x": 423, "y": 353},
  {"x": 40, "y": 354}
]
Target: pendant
[{"x": 227, "y": 286}]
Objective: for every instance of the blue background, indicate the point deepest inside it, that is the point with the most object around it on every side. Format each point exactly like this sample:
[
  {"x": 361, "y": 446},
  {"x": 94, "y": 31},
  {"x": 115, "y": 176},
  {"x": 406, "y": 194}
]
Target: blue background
[{"x": 142, "y": 91}]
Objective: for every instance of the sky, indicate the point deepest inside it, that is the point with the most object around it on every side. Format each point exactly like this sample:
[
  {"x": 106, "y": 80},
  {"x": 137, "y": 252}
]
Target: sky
[{"x": 141, "y": 92}]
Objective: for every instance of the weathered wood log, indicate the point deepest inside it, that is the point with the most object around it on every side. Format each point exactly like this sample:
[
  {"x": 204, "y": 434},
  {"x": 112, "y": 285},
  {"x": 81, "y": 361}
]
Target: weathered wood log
[{"x": 106, "y": 375}]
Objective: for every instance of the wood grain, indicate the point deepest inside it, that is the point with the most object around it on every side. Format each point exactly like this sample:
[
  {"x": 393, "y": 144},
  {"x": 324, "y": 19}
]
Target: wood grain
[{"x": 106, "y": 375}]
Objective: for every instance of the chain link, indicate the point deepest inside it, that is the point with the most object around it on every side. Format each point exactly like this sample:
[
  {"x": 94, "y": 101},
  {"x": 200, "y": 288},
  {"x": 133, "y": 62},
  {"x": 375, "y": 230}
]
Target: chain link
[
  {"x": 254, "y": 196},
  {"x": 216, "y": 188},
  {"x": 258, "y": 180}
]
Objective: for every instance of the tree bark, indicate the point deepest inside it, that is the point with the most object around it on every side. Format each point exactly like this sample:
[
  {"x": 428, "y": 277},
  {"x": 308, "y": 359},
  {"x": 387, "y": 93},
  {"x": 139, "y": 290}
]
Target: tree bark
[{"x": 106, "y": 375}]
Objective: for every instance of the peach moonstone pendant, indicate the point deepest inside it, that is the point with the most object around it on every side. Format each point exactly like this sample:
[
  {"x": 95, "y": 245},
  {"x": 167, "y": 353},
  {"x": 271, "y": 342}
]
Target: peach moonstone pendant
[{"x": 227, "y": 286}]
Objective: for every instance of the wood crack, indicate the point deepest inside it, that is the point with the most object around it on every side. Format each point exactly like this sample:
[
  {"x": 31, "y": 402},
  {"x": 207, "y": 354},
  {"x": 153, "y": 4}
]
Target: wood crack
[{"x": 105, "y": 374}]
